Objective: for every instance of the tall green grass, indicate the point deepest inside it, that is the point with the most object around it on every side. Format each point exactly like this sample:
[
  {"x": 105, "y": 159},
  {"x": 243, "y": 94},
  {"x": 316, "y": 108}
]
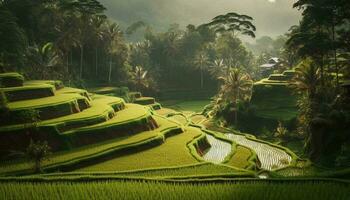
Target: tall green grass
[{"x": 142, "y": 189}]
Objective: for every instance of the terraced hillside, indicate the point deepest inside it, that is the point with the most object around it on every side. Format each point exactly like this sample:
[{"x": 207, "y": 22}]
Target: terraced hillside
[
  {"x": 101, "y": 137},
  {"x": 273, "y": 99}
]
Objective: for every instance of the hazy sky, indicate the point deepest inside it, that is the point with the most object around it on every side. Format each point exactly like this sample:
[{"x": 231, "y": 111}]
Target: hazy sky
[{"x": 272, "y": 17}]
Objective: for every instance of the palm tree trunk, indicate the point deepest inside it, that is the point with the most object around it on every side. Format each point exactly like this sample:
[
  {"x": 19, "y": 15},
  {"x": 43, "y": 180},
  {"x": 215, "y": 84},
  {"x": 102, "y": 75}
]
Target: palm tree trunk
[
  {"x": 335, "y": 55},
  {"x": 67, "y": 64},
  {"x": 139, "y": 85},
  {"x": 228, "y": 68},
  {"x": 236, "y": 109},
  {"x": 81, "y": 60},
  {"x": 96, "y": 61},
  {"x": 71, "y": 57},
  {"x": 202, "y": 82},
  {"x": 110, "y": 70},
  {"x": 321, "y": 61},
  {"x": 236, "y": 117}
]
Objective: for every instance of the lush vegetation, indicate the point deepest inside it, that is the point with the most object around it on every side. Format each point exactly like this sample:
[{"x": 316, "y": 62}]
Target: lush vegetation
[
  {"x": 177, "y": 190},
  {"x": 88, "y": 111}
]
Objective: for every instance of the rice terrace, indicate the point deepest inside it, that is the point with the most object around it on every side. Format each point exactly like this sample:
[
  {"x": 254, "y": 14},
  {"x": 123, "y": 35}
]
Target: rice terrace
[{"x": 196, "y": 99}]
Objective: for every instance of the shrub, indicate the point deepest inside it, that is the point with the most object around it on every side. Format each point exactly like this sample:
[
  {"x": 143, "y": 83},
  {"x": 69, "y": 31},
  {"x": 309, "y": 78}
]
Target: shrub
[
  {"x": 37, "y": 152},
  {"x": 281, "y": 131}
]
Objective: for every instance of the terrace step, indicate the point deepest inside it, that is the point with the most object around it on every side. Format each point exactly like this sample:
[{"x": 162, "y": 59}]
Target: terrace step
[
  {"x": 69, "y": 90},
  {"x": 28, "y": 92},
  {"x": 97, "y": 113},
  {"x": 56, "y": 83},
  {"x": 145, "y": 101},
  {"x": 95, "y": 124},
  {"x": 110, "y": 91},
  {"x": 133, "y": 119},
  {"x": 135, "y": 95},
  {"x": 53, "y": 106},
  {"x": 115, "y": 102},
  {"x": 155, "y": 106},
  {"x": 101, "y": 110},
  {"x": 78, "y": 157},
  {"x": 198, "y": 170},
  {"x": 173, "y": 152},
  {"x": 11, "y": 80}
]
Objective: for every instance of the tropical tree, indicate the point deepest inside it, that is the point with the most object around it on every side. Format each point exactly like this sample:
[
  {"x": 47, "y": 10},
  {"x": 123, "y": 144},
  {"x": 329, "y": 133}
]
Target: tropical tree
[
  {"x": 327, "y": 17},
  {"x": 13, "y": 40},
  {"x": 139, "y": 53},
  {"x": 306, "y": 83},
  {"x": 234, "y": 23},
  {"x": 201, "y": 61},
  {"x": 81, "y": 12},
  {"x": 140, "y": 78},
  {"x": 97, "y": 23},
  {"x": 134, "y": 27},
  {"x": 218, "y": 68},
  {"x": 307, "y": 79},
  {"x": 237, "y": 86},
  {"x": 344, "y": 63},
  {"x": 230, "y": 48},
  {"x": 113, "y": 35},
  {"x": 43, "y": 60}
]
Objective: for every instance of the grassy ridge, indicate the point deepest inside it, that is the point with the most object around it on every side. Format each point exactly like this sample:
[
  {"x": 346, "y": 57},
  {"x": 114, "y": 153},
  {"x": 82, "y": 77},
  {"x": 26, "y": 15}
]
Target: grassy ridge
[
  {"x": 181, "y": 105},
  {"x": 193, "y": 170},
  {"x": 74, "y": 156},
  {"x": 57, "y": 83},
  {"x": 172, "y": 153},
  {"x": 241, "y": 157},
  {"x": 28, "y": 92},
  {"x": 145, "y": 100},
  {"x": 11, "y": 79}
]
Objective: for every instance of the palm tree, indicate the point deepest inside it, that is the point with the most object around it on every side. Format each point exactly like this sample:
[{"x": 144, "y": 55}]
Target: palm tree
[
  {"x": 307, "y": 78},
  {"x": 80, "y": 13},
  {"x": 237, "y": 86},
  {"x": 43, "y": 59},
  {"x": 306, "y": 82},
  {"x": 344, "y": 62},
  {"x": 201, "y": 61},
  {"x": 218, "y": 68},
  {"x": 97, "y": 23},
  {"x": 140, "y": 77},
  {"x": 139, "y": 53},
  {"x": 113, "y": 35}
]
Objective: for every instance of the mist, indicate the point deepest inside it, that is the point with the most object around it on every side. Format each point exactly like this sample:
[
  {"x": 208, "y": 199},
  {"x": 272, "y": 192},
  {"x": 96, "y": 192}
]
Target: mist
[{"x": 271, "y": 17}]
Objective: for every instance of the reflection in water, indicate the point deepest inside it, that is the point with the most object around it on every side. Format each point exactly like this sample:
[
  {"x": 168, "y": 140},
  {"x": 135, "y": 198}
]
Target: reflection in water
[
  {"x": 270, "y": 157},
  {"x": 218, "y": 151}
]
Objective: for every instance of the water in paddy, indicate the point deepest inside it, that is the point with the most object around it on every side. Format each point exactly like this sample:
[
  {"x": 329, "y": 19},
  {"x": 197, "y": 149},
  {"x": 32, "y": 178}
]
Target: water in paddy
[
  {"x": 218, "y": 151},
  {"x": 270, "y": 157}
]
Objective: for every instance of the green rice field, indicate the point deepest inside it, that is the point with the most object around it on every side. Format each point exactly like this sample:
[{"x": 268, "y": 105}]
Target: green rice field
[{"x": 147, "y": 189}]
